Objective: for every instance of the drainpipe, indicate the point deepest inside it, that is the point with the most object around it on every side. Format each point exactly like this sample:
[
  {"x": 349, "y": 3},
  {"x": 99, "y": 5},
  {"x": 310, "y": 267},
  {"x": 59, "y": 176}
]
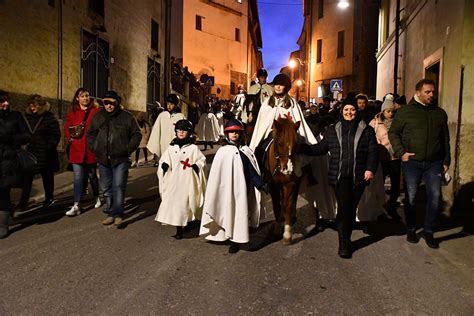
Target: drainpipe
[
  {"x": 397, "y": 47},
  {"x": 59, "y": 95},
  {"x": 457, "y": 148},
  {"x": 167, "y": 59}
]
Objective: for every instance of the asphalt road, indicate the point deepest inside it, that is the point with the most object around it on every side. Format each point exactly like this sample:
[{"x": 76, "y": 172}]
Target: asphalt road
[{"x": 52, "y": 264}]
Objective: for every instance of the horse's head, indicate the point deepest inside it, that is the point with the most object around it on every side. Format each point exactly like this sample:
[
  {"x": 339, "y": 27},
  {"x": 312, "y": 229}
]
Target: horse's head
[{"x": 284, "y": 143}]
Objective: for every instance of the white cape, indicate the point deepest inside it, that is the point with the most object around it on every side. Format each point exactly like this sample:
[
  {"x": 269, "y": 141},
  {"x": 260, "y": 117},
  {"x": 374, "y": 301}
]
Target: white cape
[
  {"x": 163, "y": 132},
  {"x": 181, "y": 189},
  {"x": 268, "y": 114},
  {"x": 229, "y": 207},
  {"x": 207, "y": 128}
]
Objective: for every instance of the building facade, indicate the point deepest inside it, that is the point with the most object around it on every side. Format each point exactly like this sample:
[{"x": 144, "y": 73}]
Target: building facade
[
  {"x": 54, "y": 47},
  {"x": 338, "y": 43},
  {"x": 435, "y": 41},
  {"x": 217, "y": 38}
]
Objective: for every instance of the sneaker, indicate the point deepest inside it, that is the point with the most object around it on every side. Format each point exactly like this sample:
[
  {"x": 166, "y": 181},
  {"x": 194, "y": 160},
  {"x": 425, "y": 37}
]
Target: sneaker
[
  {"x": 98, "y": 203},
  {"x": 74, "y": 211},
  {"x": 108, "y": 221},
  {"x": 118, "y": 221}
]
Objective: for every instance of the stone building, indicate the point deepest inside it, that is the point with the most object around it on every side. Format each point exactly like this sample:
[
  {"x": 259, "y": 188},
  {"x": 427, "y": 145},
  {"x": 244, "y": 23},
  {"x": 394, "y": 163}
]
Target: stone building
[
  {"x": 53, "y": 47},
  {"x": 435, "y": 41},
  {"x": 219, "y": 39},
  {"x": 338, "y": 43}
]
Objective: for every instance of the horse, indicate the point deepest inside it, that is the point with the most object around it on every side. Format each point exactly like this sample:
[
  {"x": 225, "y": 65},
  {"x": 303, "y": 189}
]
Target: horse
[{"x": 279, "y": 172}]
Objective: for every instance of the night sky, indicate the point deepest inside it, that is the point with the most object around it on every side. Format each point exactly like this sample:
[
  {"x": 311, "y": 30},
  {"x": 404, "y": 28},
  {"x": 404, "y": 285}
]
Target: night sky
[{"x": 281, "y": 22}]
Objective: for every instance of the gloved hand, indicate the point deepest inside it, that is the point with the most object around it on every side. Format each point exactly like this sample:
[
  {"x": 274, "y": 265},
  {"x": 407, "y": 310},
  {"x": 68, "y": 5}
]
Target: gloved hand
[
  {"x": 164, "y": 167},
  {"x": 195, "y": 168},
  {"x": 264, "y": 188}
]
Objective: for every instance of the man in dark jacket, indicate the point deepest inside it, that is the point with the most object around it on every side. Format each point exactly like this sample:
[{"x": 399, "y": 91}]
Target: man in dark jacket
[
  {"x": 420, "y": 137},
  {"x": 113, "y": 135},
  {"x": 13, "y": 134}
]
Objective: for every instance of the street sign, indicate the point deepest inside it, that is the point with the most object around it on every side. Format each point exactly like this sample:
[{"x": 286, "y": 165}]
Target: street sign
[
  {"x": 336, "y": 85},
  {"x": 209, "y": 82}
]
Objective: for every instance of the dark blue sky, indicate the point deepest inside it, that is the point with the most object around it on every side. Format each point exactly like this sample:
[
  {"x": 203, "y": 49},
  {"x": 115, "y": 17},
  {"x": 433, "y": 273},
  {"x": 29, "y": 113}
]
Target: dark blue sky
[{"x": 281, "y": 22}]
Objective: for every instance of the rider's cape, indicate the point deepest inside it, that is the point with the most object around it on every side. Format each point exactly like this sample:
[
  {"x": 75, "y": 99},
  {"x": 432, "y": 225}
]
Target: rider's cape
[
  {"x": 268, "y": 114},
  {"x": 229, "y": 205}
]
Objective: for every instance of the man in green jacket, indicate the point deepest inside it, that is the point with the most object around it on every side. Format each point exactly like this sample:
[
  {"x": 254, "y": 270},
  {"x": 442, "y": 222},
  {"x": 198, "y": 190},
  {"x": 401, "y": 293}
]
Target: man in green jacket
[{"x": 420, "y": 137}]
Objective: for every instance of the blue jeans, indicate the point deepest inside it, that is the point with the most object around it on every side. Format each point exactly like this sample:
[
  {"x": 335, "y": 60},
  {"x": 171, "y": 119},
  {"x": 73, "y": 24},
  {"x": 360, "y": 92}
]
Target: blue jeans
[
  {"x": 431, "y": 173},
  {"x": 80, "y": 174},
  {"x": 113, "y": 181}
]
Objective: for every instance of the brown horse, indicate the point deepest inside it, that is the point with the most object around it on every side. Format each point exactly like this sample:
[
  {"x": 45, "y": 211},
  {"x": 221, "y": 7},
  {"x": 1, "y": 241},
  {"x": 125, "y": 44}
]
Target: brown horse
[{"x": 279, "y": 171}]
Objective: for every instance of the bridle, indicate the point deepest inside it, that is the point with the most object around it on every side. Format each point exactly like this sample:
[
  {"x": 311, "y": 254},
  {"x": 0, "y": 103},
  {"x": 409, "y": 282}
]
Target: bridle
[{"x": 277, "y": 156}]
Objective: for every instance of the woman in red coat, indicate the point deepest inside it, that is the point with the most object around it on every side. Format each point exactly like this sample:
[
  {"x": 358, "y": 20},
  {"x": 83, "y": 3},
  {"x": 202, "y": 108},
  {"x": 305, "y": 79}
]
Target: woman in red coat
[{"x": 82, "y": 159}]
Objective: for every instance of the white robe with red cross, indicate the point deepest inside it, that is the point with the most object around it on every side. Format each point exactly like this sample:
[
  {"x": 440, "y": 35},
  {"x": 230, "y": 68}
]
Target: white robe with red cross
[
  {"x": 181, "y": 188},
  {"x": 163, "y": 132},
  {"x": 230, "y": 207},
  {"x": 268, "y": 114},
  {"x": 207, "y": 129}
]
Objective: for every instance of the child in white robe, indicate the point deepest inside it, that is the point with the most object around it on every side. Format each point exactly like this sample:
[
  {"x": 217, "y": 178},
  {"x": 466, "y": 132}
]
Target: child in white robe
[
  {"x": 181, "y": 179},
  {"x": 232, "y": 199}
]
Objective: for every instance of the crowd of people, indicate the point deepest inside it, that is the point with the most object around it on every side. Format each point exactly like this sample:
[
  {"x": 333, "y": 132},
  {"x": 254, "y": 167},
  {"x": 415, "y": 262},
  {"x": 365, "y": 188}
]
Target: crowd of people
[{"x": 346, "y": 149}]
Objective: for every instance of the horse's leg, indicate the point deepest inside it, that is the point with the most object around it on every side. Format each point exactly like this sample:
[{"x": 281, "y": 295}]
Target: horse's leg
[
  {"x": 290, "y": 196},
  {"x": 275, "y": 192}
]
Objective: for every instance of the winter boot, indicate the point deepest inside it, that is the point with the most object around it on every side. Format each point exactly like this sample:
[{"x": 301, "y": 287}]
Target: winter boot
[
  {"x": 179, "y": 232},
  {"x": 4, "y": 219},
  {"x": 344, "y": 251}
]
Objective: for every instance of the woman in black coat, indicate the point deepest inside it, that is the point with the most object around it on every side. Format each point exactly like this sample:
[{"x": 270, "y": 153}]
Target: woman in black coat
[
  {"x": 352, "y": 164},
  {"x": 12, "y": 135},
  {"x": 45, "y": 136}
]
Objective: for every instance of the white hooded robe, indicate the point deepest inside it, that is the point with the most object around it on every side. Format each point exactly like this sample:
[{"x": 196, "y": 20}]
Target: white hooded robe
[
  {"x": 163, "y": 132},
  {"x": 181, "y": 189},
  {"x": 229, "y": 206}
]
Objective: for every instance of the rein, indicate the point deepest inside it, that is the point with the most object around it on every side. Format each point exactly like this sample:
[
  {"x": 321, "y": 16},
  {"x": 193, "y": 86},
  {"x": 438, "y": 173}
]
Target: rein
[{"x": 277, "y": 157}]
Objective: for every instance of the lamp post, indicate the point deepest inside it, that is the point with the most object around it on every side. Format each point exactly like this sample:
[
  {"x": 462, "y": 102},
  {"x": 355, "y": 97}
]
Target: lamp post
[{"x": 293, "y": 63}]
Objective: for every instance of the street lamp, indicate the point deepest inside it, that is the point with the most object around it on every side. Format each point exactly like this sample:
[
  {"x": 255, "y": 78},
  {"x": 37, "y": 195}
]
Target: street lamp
[{"x": 343, "y": 4}]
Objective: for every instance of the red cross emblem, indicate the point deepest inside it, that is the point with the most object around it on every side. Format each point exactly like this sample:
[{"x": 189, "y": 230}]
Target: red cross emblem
[
  {"x": 185, "y": 163},
  {"x": 288, "y": 116}
]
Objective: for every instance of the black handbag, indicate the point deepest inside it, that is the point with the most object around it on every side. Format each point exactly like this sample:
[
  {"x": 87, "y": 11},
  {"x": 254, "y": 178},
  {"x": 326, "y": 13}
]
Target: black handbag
[
  {"x": 77, "y": 131},
  {"x": 27, "y": 160}
]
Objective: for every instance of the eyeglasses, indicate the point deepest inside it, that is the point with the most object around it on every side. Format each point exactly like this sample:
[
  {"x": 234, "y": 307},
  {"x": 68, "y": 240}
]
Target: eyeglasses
[{"x": 107, "y": 102}]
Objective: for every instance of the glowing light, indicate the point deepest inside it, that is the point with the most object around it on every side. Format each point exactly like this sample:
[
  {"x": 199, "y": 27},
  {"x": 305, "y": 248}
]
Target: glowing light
[
  {"x": 299, "y": 82},
  {"x": 292, "y": 63},
  {"x": 343, "y": 4}
]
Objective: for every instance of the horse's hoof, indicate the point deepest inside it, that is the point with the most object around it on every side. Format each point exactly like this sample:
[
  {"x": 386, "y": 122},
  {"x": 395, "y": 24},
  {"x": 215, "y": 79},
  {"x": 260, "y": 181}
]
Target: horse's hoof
[{"x": 286, "y": 242}]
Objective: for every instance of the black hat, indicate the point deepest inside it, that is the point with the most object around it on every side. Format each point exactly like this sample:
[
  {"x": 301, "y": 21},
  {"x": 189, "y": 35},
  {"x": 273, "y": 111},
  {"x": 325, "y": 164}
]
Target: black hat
[
  {"x": 233, "y": 126},
  {"x": 351, "y": 101},
  {"x": 282, "y": 80},
  {"x": 184, "y": 125},
  {"x": 402, "y": 100},
  {"x": 172, "y": 98},
  {"x": 112, "y": 95},
  {"x": 262, "y": 72}
]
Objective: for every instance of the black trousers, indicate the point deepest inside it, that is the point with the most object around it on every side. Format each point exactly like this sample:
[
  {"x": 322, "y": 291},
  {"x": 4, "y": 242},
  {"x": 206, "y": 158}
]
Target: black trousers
[
  {"x": 392, "y": 168},
  {"x": 137, "y": 154},
  {"x": 5, "y": 199},
  {"x": 48, "y": 186},
  {"x": 348, "y": 197}
]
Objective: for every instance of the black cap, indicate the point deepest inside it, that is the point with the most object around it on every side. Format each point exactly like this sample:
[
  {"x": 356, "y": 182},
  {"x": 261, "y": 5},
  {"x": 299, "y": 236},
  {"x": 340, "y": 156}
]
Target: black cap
[
  {"x": 402, "y": 100},
  {"x": 184, "y": 125},
  {"x": 282, "y": 80},
  {"x": 172, "y": 98},
  {"x": 262, "y": 72},
  {"x": 112, "y": 95},
  {"x": 351, "y": 101}
]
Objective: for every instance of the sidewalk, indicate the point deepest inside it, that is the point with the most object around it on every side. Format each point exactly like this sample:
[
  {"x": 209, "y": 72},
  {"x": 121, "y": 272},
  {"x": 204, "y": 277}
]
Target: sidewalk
[{"x": 63, "y": 181}]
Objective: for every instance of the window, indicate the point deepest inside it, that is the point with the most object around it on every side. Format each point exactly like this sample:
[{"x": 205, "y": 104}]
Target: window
[
  {"x": 320, "y": 9},
  {"x": 51, "y": 3},
  {"x": 97, "y": 6},
  {"x": 340, "y": 44},
  {"x": 152, "y": 84},
  {"x": 154, "y": 35},
  {"x": 198, "y": 22},
  {"x": 319, "y": 51},
  {"x": 95, "y": 66},
  {"x": 237, "y": 34}
]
